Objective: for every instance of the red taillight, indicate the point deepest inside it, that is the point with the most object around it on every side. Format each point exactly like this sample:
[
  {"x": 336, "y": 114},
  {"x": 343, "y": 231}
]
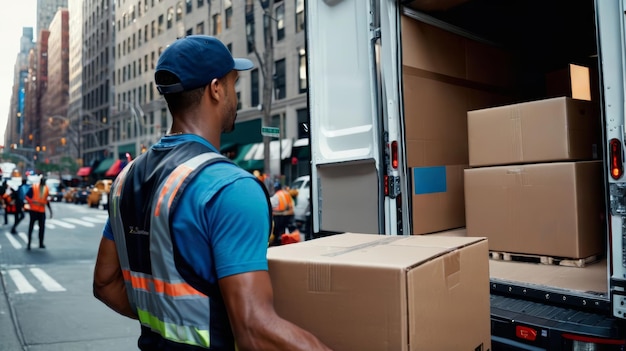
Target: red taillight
[
  {"x": 526, "y": 333},
  {"x": 593, "y": 340},
  {"x": 394, "y": 154},
  {"x": 617, "y": 163}
]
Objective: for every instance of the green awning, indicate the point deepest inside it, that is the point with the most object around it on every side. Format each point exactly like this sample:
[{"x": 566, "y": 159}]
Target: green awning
[
  {"x": 104, "y": 166},
  {"x": 244, "y": 133},
  {"x": 241, "y": 153}
]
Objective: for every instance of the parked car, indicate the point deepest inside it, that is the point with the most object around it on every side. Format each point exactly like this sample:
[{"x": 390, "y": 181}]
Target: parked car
[
  {"x": 55, "y": 190},
  {"x": 302, "y": 209},
  {"x": 81, "y": 194},
  {"x": 99, "y": 193}
]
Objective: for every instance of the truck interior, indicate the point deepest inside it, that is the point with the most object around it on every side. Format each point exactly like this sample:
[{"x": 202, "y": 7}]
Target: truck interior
[{"x": 542, "y": 36}]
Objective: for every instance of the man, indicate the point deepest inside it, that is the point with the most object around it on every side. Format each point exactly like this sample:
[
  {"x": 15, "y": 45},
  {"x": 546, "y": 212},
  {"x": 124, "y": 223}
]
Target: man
[
  {"x": 37, "y": 198},
  {"x": 282, "y": 208},
  {"x": 181, "y": 252},
  {"x": 20, "y": 196}
]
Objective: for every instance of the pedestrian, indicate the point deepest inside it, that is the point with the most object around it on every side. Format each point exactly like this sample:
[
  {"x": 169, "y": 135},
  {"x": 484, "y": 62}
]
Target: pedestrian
[
  {"x": 37, "y": 199},
  {"x": 19, "y": 197},
  {"x": 6, "y": 199},
  {"x": 181, "y": 251},
  {"x": 282, "y": 209}
]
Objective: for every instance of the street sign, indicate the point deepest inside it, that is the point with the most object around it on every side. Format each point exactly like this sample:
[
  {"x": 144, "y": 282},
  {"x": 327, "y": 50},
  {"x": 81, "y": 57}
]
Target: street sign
[{"x": 270, "y": 131}]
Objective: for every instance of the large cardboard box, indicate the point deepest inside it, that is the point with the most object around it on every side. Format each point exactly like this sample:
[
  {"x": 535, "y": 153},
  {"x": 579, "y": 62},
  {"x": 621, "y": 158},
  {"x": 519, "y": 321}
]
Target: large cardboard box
[
  {"x": 557, "y": 129},
  {"x": 551, "y": 209},
  {"x": 437, "y": 198},
  {"x": 371, "y": 292},
  {"x": 444, "y": 75}
]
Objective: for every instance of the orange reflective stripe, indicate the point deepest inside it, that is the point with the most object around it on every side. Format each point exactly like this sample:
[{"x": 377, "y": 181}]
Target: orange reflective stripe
[
  {"x": 161, "y": 287},
  {"x": 180, "y": 171}
]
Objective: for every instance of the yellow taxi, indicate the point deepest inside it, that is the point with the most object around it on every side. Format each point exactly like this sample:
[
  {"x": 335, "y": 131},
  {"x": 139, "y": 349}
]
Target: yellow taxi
[{"x": 99, "y": 193}]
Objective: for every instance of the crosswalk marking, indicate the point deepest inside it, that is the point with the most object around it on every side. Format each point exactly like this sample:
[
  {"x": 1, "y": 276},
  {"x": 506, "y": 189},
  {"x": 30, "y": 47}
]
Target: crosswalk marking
[
  {"x": 61, "y": 223},
  {"x": 14, "y": 242},
  {"x": 98, "y": 220},
  {"x": 79, "y": 222},
  {"x": 23, "y": 286},
  {"x": 46, "y": 280}
]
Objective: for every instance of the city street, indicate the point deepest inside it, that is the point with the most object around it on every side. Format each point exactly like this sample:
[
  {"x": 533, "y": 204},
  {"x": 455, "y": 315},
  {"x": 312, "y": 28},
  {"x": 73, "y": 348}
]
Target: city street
[{"x": 46, "y": 300}]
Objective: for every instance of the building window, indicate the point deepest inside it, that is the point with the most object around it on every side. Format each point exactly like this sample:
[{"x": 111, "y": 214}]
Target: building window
[
  {"x": 160, "y": 30},
  {"x": 229, "y": 46},
  {"x": 200, "y": 3},
  {"x": 303, "y": 121},
  {"x": 280, "y": 82},
  {"x": 170, "y": 17},
  {"x": 299, "y": 15},
  {"x": 250, "y": 33},
  {"x": 302, "y": 83},
  {"x": 280, "y": 22},
  {"x": 179, "y": 11},
  {"x": 217, "y": 24},
  {"x": 229, "y": 14},
  {"x": 145, "y": 33},
  {"x": 238, "y": 101},
  {"x": 189, "y": 31},
  {"x": 254, "y": 88},
  {"x": 153, "y": 29},
  {"x": 188, "y": 5},
  {"x": 200, "y": 28}
]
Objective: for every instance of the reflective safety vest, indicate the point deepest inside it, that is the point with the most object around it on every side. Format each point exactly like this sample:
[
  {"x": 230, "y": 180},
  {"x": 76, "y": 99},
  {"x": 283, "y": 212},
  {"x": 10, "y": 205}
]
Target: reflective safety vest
[
  {"x": 40, "y": 198},
  {"x": 285, "y": 203},
  {"x": 177, "y": 311}
]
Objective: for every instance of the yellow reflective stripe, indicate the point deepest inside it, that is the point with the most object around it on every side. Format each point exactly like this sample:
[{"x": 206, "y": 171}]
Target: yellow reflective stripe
[{"x": 177, "y": 333}]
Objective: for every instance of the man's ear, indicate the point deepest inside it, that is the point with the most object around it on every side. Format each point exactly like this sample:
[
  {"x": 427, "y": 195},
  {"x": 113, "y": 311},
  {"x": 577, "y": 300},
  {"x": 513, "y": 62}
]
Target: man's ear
[{"x": 215, "y": 89}]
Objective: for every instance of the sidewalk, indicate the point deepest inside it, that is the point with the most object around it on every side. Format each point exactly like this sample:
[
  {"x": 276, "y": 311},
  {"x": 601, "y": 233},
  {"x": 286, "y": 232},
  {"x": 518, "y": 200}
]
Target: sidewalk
[{"x": 11, "y": 340}]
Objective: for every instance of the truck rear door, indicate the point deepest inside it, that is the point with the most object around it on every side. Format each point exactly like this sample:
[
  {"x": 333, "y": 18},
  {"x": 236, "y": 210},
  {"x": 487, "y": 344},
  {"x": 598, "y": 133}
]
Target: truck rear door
[
  {"x": 611, "y": 35},
  {"x": 348, "y": 148}
]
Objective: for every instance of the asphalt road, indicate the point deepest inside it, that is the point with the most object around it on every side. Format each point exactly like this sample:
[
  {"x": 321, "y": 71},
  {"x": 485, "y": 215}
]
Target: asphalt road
[{"x": 46, "y": 300}]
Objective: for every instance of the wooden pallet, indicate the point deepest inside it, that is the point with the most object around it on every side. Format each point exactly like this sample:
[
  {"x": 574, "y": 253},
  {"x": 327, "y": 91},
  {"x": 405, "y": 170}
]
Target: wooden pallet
[{"x": 543, "y": 259}]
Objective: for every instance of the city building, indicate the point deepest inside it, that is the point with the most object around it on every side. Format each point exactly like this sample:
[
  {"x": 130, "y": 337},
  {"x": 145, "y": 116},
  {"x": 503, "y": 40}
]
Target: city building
[
  {"x": 143, "y": 30},
  {"x": 14, "y": 132},
  {"x": 113, "y": 111},
  {"x": 46, "y": 10},
  {"x": 54, "y": 100}
]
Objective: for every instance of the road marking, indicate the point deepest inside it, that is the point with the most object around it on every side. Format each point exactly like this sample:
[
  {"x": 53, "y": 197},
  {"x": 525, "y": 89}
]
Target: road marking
[
  {"x": 23, "y": 286},
  {"x": 95, "y": 220},
  {"x": 46, "y": 280},
  {"x": 16, "y": 244},
  {"x": 79, "y": 222},
  {"x": 61, "y": 223}
]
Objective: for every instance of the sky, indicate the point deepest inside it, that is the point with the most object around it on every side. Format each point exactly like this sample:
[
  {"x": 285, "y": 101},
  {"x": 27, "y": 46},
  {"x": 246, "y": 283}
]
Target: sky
[{"x": 11, "y": 23}]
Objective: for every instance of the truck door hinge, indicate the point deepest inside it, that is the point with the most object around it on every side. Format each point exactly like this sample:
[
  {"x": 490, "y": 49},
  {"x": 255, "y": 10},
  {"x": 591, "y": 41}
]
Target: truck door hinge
[
  {"x": 393, "y": 184},
  {"x": 618, "y": 202}
]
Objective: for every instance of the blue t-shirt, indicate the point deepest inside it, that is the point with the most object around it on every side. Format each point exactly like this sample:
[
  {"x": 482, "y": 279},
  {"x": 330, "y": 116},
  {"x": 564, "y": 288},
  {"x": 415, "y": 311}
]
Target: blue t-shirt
[{"x": 221, "y": 223}]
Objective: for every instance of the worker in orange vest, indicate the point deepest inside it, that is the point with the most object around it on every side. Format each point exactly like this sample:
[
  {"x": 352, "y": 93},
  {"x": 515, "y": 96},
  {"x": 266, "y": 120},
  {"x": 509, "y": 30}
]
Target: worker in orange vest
[
  {"x": 282, "y": 210},
  {"x": 37, "y": 198}
]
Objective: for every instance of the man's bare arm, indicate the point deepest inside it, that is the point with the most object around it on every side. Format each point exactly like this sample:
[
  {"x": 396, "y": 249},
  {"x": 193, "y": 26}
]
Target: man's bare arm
[
  {"x": 108, "y": 282},
  {"x": 255, "y": 324}
]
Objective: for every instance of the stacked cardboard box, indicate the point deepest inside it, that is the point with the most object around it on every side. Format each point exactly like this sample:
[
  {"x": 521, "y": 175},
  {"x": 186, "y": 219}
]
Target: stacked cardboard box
[
  {"x": 444, "y": 75},
  {"x": 535, "y": 186}
]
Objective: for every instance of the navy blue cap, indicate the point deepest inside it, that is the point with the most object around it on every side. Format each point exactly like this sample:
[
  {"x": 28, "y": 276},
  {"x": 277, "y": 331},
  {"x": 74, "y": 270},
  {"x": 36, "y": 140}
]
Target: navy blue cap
[{"x": 196, "y": 60}]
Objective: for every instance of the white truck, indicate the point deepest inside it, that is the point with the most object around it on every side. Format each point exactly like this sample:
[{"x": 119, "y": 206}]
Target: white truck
[{"x": 390, "y": 83}]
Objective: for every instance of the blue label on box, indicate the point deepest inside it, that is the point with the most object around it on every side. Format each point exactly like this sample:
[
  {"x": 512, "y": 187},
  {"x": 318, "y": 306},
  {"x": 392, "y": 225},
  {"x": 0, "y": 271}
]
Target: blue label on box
[{"x": 428, "y": 180}]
